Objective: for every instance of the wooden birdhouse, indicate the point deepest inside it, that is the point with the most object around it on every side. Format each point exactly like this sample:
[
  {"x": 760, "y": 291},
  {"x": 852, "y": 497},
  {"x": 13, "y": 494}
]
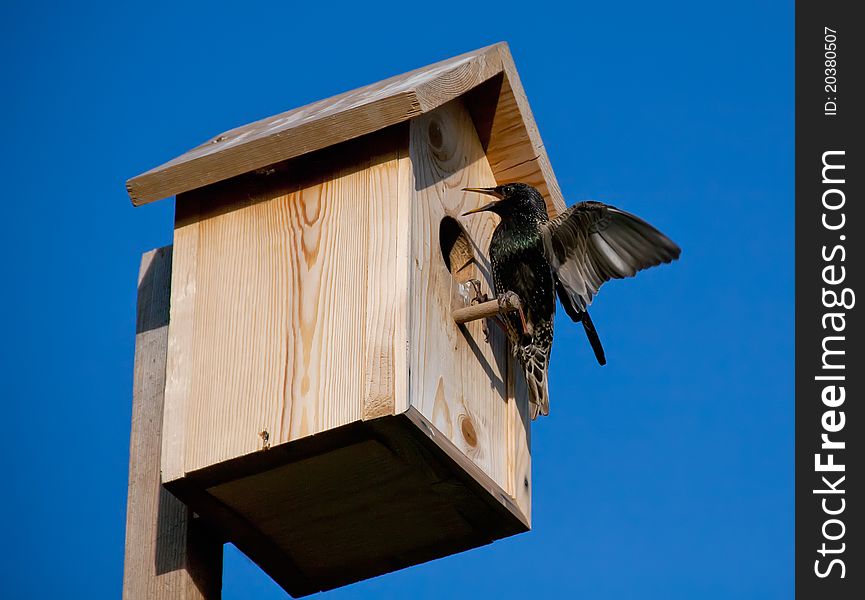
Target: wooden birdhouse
[{"x": 323, "y": 411}]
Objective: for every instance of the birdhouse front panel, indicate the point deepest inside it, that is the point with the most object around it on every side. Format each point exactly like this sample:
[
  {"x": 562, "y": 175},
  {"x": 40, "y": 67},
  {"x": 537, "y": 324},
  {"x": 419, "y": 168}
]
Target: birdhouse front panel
[{"x": 287, "y": 303}]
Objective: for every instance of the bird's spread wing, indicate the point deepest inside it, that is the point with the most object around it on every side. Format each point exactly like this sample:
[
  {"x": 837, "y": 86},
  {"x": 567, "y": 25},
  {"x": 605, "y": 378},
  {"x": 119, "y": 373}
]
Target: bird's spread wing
[{"x": 592, "y": 242}]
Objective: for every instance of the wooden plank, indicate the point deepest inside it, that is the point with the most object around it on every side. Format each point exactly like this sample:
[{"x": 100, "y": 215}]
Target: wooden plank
[
  {"x": 179, "y": 367},
  {"x": 386, "y": 284},
  {"x": 354, "y": 502},
  {"x": 402, "y": 332},
  {"x": 347, "y": 510},
  {"x": 168, "y": 556},
  {"x": 317, "y": 125},
  {"x": 235, "y": 528},
  {"x": 515, "y": 150},
  {"x": 468, "y": 469},
  {"x": 289, "y": 300},
  {"x": 514, "y": 146},
  {"x": 458, "y": 380}
]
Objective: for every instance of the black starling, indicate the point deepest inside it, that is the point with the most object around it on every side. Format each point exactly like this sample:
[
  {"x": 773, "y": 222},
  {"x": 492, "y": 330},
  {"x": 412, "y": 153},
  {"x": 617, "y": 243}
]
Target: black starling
[{"x": 571, "y": 256}]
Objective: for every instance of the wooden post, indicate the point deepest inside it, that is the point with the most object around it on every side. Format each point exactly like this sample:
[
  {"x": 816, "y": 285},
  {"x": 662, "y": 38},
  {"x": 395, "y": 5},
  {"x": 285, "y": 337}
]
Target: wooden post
[{"x": 168, "y": 554}]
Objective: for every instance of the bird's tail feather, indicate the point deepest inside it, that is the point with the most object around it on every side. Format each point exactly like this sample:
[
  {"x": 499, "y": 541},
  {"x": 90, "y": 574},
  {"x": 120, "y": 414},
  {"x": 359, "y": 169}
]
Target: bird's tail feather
[
  {"x": 535, "y": 361},
  {"x": 594, "y": 340},
  {"x": 582, "y": 316}
]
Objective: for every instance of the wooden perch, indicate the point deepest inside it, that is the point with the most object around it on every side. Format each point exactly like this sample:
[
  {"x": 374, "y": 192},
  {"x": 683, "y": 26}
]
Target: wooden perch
[{"x": 485, "y": 310}]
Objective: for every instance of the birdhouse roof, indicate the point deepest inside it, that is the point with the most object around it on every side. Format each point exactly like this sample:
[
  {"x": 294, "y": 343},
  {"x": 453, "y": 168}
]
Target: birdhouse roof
[{"x": 513, "y": 145}]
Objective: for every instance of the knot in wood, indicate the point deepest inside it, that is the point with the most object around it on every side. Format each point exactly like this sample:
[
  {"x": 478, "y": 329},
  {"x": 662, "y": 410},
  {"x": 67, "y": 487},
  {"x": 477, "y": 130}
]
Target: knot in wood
[{"x": 468, "y": 431}]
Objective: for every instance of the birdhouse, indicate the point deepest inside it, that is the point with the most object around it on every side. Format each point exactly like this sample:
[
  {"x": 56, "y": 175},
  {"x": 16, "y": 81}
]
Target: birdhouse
[{"x": 323, "y": 410}]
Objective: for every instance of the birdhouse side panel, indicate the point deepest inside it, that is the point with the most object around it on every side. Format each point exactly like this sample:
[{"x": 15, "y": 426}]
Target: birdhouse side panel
[
  {"x": 286, "y": 304},
  {"x": 459, "y": 381}
]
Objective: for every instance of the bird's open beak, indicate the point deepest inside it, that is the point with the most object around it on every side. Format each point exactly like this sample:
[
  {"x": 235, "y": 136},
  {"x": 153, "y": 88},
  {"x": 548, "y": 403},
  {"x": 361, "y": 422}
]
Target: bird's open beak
[{"x": 489, "y": 192}]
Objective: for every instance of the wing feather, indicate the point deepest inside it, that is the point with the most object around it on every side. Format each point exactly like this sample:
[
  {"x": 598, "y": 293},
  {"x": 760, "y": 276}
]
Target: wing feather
[{"x": 591, "y": 243}]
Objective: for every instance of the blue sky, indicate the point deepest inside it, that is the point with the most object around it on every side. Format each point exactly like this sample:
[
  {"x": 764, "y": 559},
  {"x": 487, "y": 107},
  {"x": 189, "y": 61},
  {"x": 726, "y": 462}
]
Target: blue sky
[{"x": 666, "y": 474}]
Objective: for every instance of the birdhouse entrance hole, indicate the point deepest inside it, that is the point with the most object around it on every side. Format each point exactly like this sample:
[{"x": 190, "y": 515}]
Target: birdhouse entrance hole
[{"x": 456, "y": 249}]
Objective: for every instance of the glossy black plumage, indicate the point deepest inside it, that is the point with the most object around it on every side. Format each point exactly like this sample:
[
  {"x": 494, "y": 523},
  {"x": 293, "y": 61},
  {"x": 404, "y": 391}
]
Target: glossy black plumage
[{"x": 570, "y": 256}]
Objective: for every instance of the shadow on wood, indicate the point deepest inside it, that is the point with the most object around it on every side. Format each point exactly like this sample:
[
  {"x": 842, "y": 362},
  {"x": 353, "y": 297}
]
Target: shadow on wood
[
  {"x": 358, "y": 501},
  {"x": 168, "y": 554}
]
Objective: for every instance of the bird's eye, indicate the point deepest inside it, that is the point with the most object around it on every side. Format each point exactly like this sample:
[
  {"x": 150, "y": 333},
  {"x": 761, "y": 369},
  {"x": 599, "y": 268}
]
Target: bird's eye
[{"x": 509, "y": 189}]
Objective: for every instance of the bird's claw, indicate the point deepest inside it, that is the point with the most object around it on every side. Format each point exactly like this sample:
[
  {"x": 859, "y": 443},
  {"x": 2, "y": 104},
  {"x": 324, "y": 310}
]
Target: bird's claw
[
  {"x": 479, "y": 298},
  {"x": 506, "y": 300},
  {"x": 509, "y": 300},
  {"x": 479, "y": 295}
]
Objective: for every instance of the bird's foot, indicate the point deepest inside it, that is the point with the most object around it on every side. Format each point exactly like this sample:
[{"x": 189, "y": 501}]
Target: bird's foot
[
  {"x": 479, "y": 296},
  {"x": 510, "y": 300}
]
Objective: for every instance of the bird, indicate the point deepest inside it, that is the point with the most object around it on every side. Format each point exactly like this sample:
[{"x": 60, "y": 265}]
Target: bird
[{"x": 570, "y": 256}]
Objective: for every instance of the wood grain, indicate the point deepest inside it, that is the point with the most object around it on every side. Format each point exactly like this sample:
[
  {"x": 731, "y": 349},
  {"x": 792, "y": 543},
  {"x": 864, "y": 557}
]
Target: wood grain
[
  {"x": 516, "y": 152},
  {"x": 402, "y": 274},
  {"x": 469, "y": 470},
  {"x": 168, "y": 555},
  {"x": 287, "y": 305},
  {"x": 180, "y": 365},
  {"x": 458, "y": 380},
  {"x": 386, "y": 285},
  {"x": 317, "y": 125}
]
